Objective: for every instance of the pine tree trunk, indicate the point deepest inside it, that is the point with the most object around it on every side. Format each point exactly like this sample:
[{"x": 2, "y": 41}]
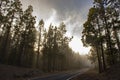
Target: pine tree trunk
[
  {"x": 117, "y": 40},
  {"x": 38, "y": 52},
  {"x": 99, "y": 60},
  {"x": 109, "y": 45},
  {"x": 101, "y": 45}
]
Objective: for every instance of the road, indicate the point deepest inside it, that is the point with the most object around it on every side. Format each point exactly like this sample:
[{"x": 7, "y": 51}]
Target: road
[{"x": 62, "y": 76}]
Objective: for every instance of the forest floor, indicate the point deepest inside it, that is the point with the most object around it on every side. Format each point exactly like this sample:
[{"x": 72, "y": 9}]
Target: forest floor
[
  {"x": 8, "y": 72},
  {"x": 112, "y": 73}
]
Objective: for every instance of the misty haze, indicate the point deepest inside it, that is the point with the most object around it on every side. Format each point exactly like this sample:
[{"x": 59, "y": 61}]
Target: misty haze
[{"x": 59, "y": 39}]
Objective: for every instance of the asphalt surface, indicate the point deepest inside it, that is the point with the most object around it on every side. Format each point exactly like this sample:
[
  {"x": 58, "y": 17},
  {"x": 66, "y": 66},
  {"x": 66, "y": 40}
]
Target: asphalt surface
[{"x": 62, "y": 76}]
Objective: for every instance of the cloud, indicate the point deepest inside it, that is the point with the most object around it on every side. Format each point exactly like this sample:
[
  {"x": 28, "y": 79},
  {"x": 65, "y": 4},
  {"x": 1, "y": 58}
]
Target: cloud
[
  {"x": 52, "y": 19},
  {"x": 72, "y": 12},
  {"x": 77, "y": 46}
]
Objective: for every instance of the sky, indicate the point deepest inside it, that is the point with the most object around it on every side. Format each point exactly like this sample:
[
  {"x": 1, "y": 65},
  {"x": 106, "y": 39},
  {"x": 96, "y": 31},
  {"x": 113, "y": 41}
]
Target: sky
[{"x": 72, "y": 12}]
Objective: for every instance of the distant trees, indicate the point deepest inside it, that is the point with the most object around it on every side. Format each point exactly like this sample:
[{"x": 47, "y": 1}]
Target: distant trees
[
  {"x": 40, "y": 28},
  {"x": 24, "y": 44},
  {"x": 57, "y": 55},
  {"x": 101, "y": 33},
  {"x": 28, "y": 37}
]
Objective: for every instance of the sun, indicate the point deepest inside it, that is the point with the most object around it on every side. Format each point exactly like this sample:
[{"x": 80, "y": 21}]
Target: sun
[{"x": 77, "y": 46}]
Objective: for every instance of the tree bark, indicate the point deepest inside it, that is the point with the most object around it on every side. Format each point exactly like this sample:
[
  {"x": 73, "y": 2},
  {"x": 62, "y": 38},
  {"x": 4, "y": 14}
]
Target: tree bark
[
  {"x": 99, "y": 60},
  {"x": 101, "y": 45}
]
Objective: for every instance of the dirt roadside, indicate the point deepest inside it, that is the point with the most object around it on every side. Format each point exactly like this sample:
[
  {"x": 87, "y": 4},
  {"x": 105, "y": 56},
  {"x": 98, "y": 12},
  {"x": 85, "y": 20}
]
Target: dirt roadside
[{"x": 112, "y": 73}]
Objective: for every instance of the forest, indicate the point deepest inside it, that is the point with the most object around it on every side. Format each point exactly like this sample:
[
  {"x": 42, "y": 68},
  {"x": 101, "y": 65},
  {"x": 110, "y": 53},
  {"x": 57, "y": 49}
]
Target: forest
[
  {"x": 26, "y": 45},
  {"x": 101, "y": 32}
]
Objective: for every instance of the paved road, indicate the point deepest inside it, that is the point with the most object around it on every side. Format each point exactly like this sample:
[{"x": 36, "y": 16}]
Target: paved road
[{"x": 62, "y": 76}]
